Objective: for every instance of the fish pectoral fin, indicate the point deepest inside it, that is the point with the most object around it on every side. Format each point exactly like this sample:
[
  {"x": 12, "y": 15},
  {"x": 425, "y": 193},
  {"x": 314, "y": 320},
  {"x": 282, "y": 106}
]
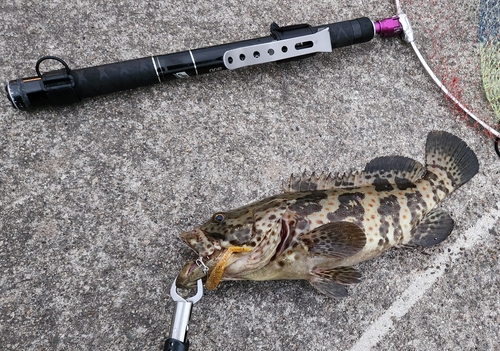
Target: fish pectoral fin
[
  {"x": 434, "y": 228},
  {"x": 215, "y": 276},
  {"x": 337, "y": 239},
  {"x": 332, "y": 281}
]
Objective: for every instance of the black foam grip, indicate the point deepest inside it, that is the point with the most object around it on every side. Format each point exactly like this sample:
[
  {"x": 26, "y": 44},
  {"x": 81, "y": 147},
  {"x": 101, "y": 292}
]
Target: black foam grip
[
  {"x": 175, "y": 345},
  {"x": 113, "y": 77},
  {"x": 351, "y": 32}
]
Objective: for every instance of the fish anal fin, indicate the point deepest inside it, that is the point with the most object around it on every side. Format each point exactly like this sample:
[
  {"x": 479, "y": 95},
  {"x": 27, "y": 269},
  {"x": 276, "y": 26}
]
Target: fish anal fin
[
  {"x": 336, "y": 239},
  {"x": 433, "y": 229}
]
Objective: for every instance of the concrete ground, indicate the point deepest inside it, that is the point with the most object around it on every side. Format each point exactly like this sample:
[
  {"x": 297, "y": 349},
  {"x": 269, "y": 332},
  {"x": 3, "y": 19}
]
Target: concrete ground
[{"x": 93, "y": 196}]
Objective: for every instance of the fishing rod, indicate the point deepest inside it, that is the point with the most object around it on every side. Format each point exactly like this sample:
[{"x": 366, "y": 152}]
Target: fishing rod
[{"x": 66, "y": 86}]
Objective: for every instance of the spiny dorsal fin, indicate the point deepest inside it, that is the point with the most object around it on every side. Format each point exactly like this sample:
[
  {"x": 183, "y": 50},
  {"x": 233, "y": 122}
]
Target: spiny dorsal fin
[
  {"x": 399, "y": 170},
  {"x": 325, "y": 181}
]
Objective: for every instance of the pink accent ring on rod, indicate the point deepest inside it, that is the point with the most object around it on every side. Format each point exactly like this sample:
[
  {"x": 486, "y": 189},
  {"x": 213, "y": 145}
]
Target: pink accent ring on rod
[{"x": 388, "y": 27}]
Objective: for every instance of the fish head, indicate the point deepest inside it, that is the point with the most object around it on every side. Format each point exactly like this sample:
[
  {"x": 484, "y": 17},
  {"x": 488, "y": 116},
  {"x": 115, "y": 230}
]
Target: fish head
[
  {"x": 245, "y": 231},
  {"x": 210, "y": 240}
]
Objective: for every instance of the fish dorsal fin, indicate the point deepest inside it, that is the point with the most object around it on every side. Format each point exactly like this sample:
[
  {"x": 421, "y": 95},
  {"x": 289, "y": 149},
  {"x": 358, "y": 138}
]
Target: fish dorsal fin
[
  {"x": 399, "y": 170},
  {"x": 391, "y": 167},
  {"x": 383, "y": 172},
  {"x": 325, "y": 181}
]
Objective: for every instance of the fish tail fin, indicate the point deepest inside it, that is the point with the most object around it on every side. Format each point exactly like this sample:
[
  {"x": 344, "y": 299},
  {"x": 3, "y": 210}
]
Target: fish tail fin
[{"x": 450, "y": 160}]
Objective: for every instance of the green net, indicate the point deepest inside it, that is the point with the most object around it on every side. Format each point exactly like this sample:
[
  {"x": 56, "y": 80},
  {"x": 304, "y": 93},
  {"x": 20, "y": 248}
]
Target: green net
[
  {"x": 489, "y": 47},
  {"x": 463, "y": 52}
]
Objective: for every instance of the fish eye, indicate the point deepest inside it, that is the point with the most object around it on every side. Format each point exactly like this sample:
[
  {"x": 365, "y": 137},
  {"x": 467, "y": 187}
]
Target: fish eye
[{"x": 218, "y": 217}]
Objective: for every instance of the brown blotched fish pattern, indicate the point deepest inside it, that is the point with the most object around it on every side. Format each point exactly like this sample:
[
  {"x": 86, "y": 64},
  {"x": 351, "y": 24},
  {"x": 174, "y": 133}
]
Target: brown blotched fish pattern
[{"x": 323, "y": 225}]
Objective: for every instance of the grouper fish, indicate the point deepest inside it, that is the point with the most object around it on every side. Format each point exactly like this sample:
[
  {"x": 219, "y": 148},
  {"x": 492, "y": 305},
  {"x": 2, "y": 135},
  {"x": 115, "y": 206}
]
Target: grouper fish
[{"x": 324, "y": 224}]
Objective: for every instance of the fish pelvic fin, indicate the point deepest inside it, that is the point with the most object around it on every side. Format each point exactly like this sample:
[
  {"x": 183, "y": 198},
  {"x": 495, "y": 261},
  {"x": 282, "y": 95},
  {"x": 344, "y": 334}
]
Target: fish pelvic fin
[
  {"x": 449, "y": 160},
  {"x": 332, "y": 282}
]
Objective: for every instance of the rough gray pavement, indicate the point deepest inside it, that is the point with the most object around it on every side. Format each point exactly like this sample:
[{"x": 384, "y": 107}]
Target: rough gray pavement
[{"x": 93, "y": 196}]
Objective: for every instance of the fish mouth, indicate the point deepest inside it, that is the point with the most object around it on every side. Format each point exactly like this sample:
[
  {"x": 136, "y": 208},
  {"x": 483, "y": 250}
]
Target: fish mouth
[
  {"x": 212, "y": 261},
  {"x": 207, "y": 251},
  {"x": 195, "y": 270},
  {"x": 189, "y": 275}
]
